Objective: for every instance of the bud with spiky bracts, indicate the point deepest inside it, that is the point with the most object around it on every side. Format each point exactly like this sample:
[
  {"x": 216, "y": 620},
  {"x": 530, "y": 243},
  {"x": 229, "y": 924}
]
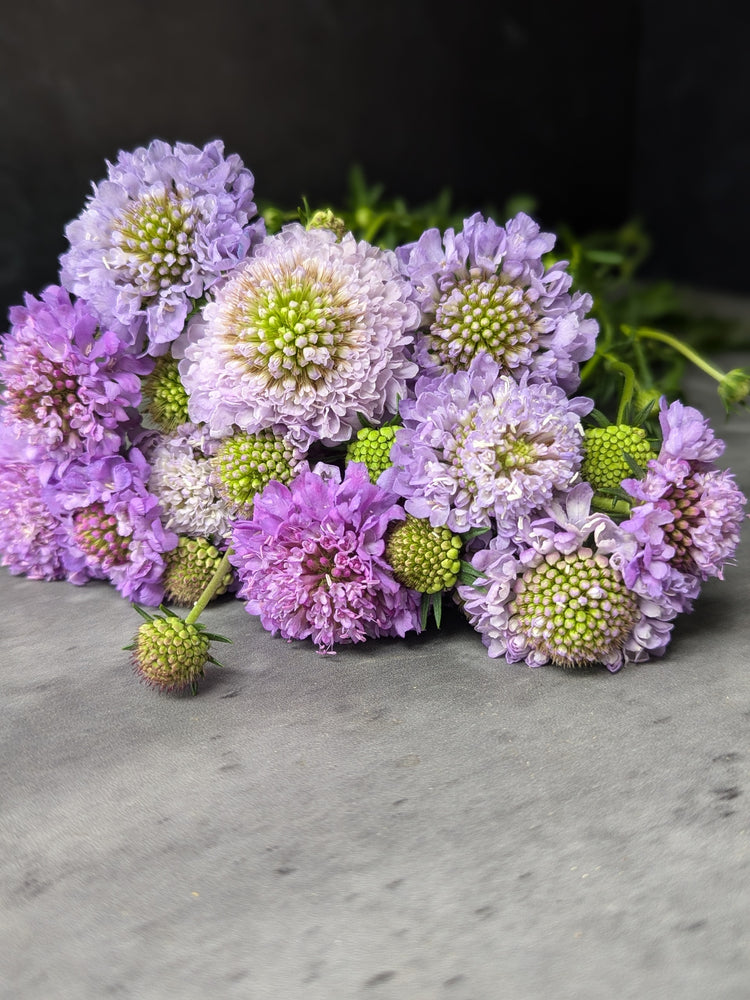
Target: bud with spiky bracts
[
  {"x": 170, "y": 653},
  {"x": 190, "y": 568},
  {"x": 165, "y": 396},
  {"x": 423, "y": 557},
  {"x": 611, "y": 452},
  {"x": 372, "y": 446},
  {"x": 245, "y": 464}
]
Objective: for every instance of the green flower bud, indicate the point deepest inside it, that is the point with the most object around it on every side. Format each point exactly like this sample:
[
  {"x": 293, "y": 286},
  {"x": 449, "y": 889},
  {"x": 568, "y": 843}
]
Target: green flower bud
[
  {"x": 734, "y": 388},
  {"x": 169, "y": 654},
  {"x": 604, "y": 449},
  {"x": 325, "y": 219},
  {"x": 424, "y": 558},
  {"x": 246, "y": 463},
  {"x": 372, "y": 446},
  {"x": 190, "y": 568}
]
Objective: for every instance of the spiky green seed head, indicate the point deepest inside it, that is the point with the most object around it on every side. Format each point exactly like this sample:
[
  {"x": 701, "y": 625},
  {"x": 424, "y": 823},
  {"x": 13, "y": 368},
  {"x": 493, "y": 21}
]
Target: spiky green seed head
[
  {"x": 169, "y": 654},
  {"x": 574, "y": 608},
  {"x": 246, "y": 463},
  {"x": 190, "y": 568},
  {"x": 604, "y": 449},
  {"x": 164, "y": 395},
  {"x": 325, "y": 218},
  {"x": 372, "y": 446},
  {"x": 424, "y": 558}
]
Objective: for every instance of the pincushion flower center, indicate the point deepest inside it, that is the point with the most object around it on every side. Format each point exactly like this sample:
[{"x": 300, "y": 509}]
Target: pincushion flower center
[
  {"x": 97, "y": 536},
  {"x": 484, "y": 313},
  {"x": 575, "y": 609},
  {"x": 154, "y": 241},
  {"x": 46, "y": 394},
  {"x": 292, "y": 323},
  {"x": 686, "y": 514}
]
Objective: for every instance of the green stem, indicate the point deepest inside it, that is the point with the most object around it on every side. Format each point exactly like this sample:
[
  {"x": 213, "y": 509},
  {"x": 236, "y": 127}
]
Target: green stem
[
  {"x": 628, "y": 387},
  {"x": 211, "y": 587},
  {"x": 645, "y": 333}
]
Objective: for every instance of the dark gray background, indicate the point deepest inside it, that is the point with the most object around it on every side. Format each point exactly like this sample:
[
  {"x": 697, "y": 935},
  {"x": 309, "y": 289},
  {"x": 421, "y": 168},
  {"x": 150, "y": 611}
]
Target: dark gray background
[{"x": 600, "y": 111}]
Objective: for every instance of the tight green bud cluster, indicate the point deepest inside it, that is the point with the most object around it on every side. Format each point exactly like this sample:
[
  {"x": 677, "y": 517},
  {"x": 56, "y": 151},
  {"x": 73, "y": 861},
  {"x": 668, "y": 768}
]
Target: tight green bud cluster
[
  {"x": 325, "y": 218},
  {"x": 604, "y": 450},
  {"x": 190, "y": 568},
  {"x": 165, "y": 396},
  {"x": 245, "y": 464},
  {"x": 372, "y": 446},
  {"x": 424, "y": 558},
  {"x": 169, "y": 654}
]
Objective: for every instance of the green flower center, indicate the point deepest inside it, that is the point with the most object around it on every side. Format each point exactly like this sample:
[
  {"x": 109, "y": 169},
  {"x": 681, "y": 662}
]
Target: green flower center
[
  {"x": 246, "y": 463},
  {"x": 153, "y": 241},
  {"x": 423, "y": 558},
  {"x": 604, "y": 448},
  {"x": 97, "y": 536},
  {"x": 293, "y": 323},
  {"x": 170, "y": 654},
  {"x": 372, "y": 446},
  {"x": 575, "y": 609},
  {"x": 489, "y": 314},
  {"x": 165, "y": 395}
]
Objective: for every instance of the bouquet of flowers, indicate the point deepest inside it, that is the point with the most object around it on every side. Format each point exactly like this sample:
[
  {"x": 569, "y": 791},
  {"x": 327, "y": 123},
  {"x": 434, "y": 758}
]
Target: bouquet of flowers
[{"x": 344, "y": 435}]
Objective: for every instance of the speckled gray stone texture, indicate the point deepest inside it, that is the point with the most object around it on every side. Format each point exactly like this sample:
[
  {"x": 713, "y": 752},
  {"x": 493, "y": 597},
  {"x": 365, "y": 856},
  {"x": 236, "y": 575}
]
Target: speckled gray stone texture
[{"x": 407, "y": 819}]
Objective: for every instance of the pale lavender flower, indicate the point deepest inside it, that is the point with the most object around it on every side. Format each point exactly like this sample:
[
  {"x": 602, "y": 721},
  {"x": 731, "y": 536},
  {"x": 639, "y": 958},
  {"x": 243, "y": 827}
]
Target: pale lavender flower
[
  {"x": 166, "y": 224},
  {"x": 181, "y": 480},
  {"x": 486, "y": 288},
  {"x": 477, "y": 445},
  {"x": 308, "y": 333},
  {"x": 311, "y": 560},
  {"x": 116, "y": 532},
  {"x": 69, "y": 386},
  {"x": 33, "y": 539},
  {"x": 554, "y": 593}
]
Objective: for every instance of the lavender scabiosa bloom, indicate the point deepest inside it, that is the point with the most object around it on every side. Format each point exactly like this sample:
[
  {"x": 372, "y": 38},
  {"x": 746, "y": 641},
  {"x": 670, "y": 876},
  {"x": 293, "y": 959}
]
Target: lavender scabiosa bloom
[
  {"x": 33, "y": 539},
  {"x": 166, "y": 224},
  {"x": 687, "y": 524},
  {"x": 487, "y": 289},
  {"x": 477, "y": 445},
  {"x": 555, "y": 595},
  {"x": 181, "y": 480},
  {"x": 308, "y": 333},
  {"x": 311, "y": 560},
  {"x": 68, "y": 385},
  {"x": 116, "y": 532}
]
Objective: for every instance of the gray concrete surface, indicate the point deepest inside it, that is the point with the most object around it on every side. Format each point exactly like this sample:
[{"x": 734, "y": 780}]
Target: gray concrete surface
[{"x": 407, "y": 819}]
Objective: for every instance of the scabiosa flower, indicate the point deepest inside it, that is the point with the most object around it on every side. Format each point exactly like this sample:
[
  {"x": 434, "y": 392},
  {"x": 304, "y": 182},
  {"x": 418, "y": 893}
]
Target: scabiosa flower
[
  {"x": 182, "y": 480},
  {"x": 308, "y": 333},
  {"x": 554, "y": 595},
  {"x": 33, "y": 539},
  {"x": 68, "y": 385},
  {"x": 156, "y": 234},
  {"x": 487, "y": 289},
  {"x": 688, "y": 522},
  {"x": 477, "y": 445},
  {"x": 245, "y": 463},
  {"x": 311, "y": 560},
  {"x": 116, "y": 531}
]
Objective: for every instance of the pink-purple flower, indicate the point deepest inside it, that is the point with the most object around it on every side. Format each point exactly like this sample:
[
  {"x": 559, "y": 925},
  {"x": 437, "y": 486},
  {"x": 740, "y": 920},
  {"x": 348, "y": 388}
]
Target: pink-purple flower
[
  {"x": 156, "y": 234},
  {"x": 311, "y": 560},
  {"x": 70, "y": 387}
]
